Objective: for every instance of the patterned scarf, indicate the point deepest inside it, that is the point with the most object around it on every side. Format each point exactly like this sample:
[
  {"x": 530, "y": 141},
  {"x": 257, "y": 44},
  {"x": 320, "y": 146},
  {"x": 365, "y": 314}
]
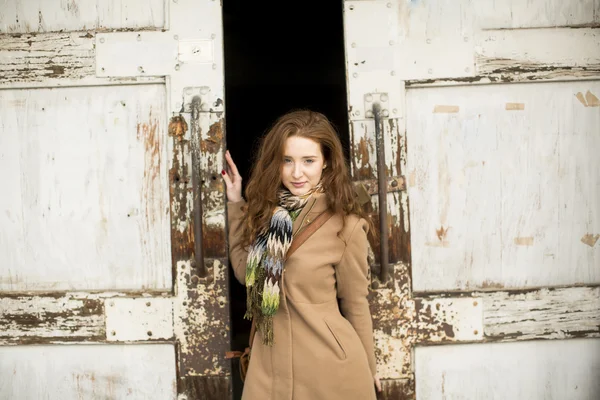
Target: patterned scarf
[{"x": 266, "y": 261}]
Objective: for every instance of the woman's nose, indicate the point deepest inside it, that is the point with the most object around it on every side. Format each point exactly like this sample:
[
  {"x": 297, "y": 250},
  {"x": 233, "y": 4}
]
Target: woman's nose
[{"x": 297, "y": 172}]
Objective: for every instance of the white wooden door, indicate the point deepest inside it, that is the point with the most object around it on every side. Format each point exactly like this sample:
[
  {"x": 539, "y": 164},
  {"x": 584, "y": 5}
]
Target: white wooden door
[
  {"x": 113, "y": 268},
  {"x": 491, "y": 121}
]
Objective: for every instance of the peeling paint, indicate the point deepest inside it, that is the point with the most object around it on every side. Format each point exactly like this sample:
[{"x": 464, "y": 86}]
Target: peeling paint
[{"x": 590, "y": 239}]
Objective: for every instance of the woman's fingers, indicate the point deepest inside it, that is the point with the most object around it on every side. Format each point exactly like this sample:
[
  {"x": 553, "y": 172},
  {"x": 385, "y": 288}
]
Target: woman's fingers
[
  {"x": 227, "y": 179},
  {"x": 232, "y": 166}
]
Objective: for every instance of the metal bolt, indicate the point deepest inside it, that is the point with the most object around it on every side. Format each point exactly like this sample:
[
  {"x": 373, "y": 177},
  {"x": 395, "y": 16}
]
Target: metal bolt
[
  {"x": 113, "y": 333},
  {"x": 221, "y": 303},
  {"x": 467, "y": 69},
  {"x": 369, "y": 98},
  {"x": 112, "y": 304},
  {"x": 394, "y": 183},
  {"x": 475, "y": 331},
  {"x": 384, "y": 97},
  {"x": 430, "y": 71},
  {"x": 149, "y": 333},
  {"x": 385, "y": 113},
  {"x": 139, "y": 37},
  {"x": 357, "y": 113},
  {"x": 351, "y": 7},
  {"x": 212, "y": 36},
  {"x": 176, "y": 37},
  {"x": 390, "y": 285},
  {"x": 428, "y": 41},
  {"x": 353, "y": 44},
  {"x": 140, "y": 68},
  {"x": 355, "y": 75},
  {"x": 176, "y": 67},
  {"x": 184, "y": 303},
  {"x": 148, "y": 304},
  {"x": 102, "y": 69},
  {"x": 194, "y": 279},
  {"x": 101, "y": 40},
  {"x": 188, "y": 91},
  {"x": 395, "y": 111},
  {"x": 375, "y": 284},
  {"x": 196, "y": 50},
  {"x": 389, "y": 5},
  {"x": 391, "y": 43},
  {"x": 369, "y": 114},
  {"x": 393, "y": 73},
  {"x": 214, "y": 66},
  {"x": 475, "y": 304}
]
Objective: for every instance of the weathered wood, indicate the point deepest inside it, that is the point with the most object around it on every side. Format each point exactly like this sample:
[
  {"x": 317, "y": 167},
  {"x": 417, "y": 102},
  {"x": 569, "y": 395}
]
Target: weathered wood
[
  {"x": 54, "y": 59},
  {"x": 40, "y": 57},
  {"x": 87, "y": 206},
  {"x": 39, "y": 319},
  {"x": 538, "y": 54},
  {"x": 74, "y": 372},
  {"x": 478, "y": 219},
  {"x": 20, "y": 16},
  {"x": 204, "y": 388},
  {"x": 397, "y": 389},
  {"x": 552, "y": 369},
  {"x": 542, "y": 314}
]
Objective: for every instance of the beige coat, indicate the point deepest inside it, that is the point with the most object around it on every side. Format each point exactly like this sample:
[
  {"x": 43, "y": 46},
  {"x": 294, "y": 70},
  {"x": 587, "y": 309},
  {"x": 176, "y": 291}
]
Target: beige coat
[{"x": 319, "y": 353}]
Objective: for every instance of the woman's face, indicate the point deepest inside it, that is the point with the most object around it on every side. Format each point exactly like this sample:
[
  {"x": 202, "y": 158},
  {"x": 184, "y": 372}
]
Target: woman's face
[{"x": 303, "y": 165}]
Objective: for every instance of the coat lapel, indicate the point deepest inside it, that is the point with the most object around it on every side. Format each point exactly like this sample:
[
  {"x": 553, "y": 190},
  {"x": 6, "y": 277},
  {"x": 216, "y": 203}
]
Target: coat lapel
[{"x": 315, "y": 206}]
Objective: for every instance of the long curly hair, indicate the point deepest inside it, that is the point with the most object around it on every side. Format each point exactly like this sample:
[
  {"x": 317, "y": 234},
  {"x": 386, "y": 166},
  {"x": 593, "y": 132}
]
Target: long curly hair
[{"x": 265, "y": 179}]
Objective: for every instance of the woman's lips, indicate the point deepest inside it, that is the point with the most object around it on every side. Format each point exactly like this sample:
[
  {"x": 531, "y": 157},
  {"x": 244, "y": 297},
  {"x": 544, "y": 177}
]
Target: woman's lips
[{"x": 298, "y": 184}]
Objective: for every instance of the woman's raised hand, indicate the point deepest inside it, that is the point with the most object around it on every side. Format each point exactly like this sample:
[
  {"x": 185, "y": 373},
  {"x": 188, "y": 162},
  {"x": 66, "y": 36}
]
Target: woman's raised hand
[{"x": 232, "y": 179}]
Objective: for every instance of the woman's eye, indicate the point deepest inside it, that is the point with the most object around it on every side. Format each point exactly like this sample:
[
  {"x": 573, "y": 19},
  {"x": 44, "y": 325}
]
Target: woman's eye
[
  {"x": 287, "y": 161},
  {"x": 309, "y": 161}
]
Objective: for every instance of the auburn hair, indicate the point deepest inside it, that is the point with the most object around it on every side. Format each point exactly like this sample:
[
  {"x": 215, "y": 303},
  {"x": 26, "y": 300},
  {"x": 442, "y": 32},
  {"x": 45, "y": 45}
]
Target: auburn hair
[{"x": 265, "y": 179}]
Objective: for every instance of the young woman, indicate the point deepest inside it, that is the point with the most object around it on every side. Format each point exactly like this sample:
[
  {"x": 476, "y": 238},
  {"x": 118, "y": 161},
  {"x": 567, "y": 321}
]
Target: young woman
[{"x": 304, "y": 348}]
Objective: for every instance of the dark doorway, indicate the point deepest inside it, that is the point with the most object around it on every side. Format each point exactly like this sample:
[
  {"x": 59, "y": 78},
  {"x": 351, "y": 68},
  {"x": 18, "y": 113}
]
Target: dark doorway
[{"x": 279, "y": 56}]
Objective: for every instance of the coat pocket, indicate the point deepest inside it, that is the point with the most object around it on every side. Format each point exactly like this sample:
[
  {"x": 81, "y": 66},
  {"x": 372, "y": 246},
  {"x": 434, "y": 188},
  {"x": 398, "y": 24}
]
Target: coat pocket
[{"x": 337, "y": 338}]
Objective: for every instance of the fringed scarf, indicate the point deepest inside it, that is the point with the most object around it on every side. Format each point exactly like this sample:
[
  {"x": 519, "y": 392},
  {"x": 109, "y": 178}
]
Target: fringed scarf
[{"x": 266, "y": 261}]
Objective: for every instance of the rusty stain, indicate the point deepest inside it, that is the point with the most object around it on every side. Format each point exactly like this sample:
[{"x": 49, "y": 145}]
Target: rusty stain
[
  {"x": 361, "y": 154},
  {"x": 590, "y": 239},
  {"x": 441, "y": 233},
  {"x": 515, "y": 106},
  {"x": 150, "y": 135},
  {"x": 397, "y": 389},
  {"x": 524, "y": 241},
  {"x": 487, "y": 284},
  {"x": 444, "y": 109},
  {"x": 177, "y": 126}
]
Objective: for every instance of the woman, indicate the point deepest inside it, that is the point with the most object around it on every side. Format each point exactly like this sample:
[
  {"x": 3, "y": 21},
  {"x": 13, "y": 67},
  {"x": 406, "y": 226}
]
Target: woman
[{"x": 304, "y": 348}]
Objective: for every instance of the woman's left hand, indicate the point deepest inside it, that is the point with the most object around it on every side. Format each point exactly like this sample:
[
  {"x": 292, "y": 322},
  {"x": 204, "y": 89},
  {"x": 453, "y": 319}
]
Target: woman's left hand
[{"x": 377, "y": 383}]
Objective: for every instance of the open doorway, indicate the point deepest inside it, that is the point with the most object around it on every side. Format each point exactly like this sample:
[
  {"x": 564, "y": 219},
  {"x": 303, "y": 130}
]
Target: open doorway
[{"x": 279, "y": 56}]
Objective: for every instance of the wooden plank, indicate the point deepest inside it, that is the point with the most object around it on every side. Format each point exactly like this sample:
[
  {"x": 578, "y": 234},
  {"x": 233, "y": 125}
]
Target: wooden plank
[
  {"x": 502, "y": 198},
  {"x": 54, "y": 59},
  {"x": 74, "y": 372},
  {"x": 510, "y": 14},
  {"x": 39, "y": 319},
  {"x": 542, "y": 314},
  {"x": 35, "y": 16},
  {"x": 536, "y": 54},
  {"x": 557, "y": 369},
  {"x": 87, "y": 205}
]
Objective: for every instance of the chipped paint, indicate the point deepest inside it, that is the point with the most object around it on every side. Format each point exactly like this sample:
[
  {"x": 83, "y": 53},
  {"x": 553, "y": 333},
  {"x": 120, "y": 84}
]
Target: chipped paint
[
  {"x": 590, "y": 239},
  {"x": 542, "y": 314},
  {"x": 26, "y": 319}
]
